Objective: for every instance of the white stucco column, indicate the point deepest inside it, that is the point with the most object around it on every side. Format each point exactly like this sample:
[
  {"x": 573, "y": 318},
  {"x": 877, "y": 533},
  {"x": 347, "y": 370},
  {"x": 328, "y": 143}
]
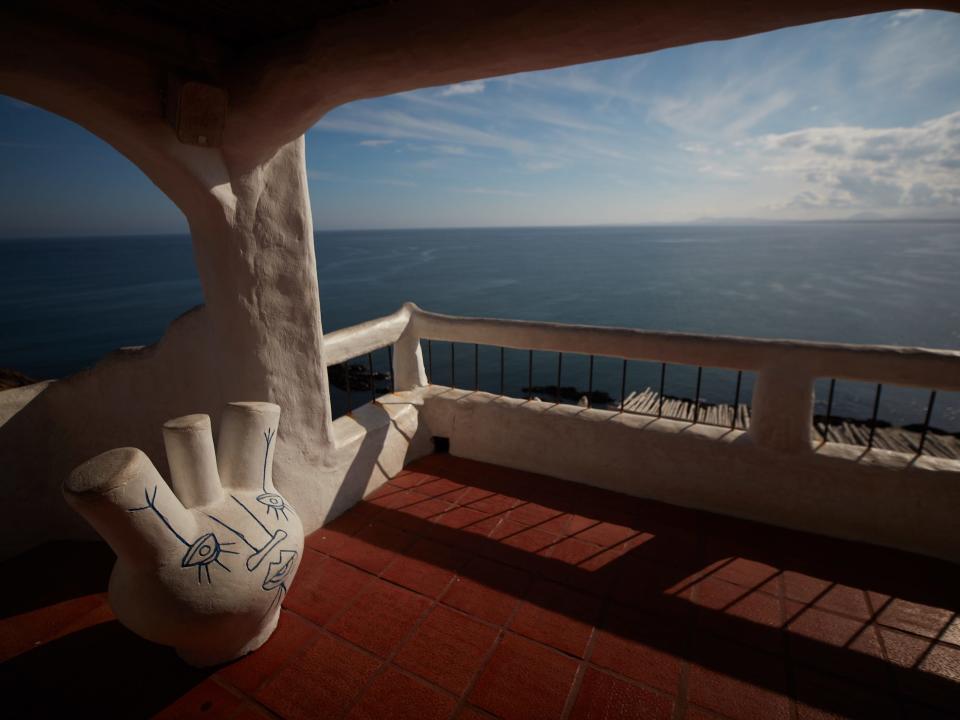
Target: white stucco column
[{"x": 782, "y": 409}]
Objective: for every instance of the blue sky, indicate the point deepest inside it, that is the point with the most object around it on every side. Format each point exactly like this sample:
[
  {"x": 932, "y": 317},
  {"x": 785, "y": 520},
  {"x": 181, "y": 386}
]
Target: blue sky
[{"x": 816, "y": 122}]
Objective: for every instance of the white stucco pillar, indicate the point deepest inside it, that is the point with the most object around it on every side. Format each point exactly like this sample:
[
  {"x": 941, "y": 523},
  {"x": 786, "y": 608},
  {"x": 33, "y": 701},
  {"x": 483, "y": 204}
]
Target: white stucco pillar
[{"x": 782, "y": 409}]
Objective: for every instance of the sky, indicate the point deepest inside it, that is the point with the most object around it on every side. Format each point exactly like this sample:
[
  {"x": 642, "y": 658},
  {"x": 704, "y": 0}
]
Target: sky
[{"x": 848, "y": 118}]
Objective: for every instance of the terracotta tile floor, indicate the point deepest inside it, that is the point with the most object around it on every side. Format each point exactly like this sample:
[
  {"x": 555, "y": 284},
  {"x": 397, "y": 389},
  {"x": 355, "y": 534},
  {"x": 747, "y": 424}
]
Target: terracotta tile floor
[{"x": 464, "y": 590}]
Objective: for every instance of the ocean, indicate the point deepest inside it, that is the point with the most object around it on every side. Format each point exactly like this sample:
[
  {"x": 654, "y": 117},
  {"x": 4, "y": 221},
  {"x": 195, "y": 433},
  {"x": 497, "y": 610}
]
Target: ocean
[{"x": 65, "y": 302}]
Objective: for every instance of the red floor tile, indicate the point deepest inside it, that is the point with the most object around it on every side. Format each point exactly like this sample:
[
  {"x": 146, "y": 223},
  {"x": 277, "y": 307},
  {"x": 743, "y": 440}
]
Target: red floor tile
[
  {"x": 349, "y": 523},
  {"x": 800, "y": 587},
  {"x": 557, "y": 616},
  {"x": 745, "y": 572},
  {"x": 380, "y": 617},
  {"x": 568, "y": 524},
  {"x": 694, "y": 595},
  {"x": 412, "y": 479},
  {"x": 293, "y": 634},
  {"x": 925, "y": 670},
  {"x": 319, "y": 683},
  {"x": 24, "y": 631},
  {"x": 374, "y": 547},
  {"x": 606, "y": 534},
  {"x": 720, "y": 602},
  {"x": 821, "y": 696},
  {"x": 533, "y": 514},
  {"x": 428, "y": 508},
  {"x": 524, "y": 681},
  {"x": 460, "y": 517},
  {"x": 642, "y": 646},
  {"x": 738, "y": 683},
  {"x": 531, "y": 540},
  {"x": 438, "y": 487},
  {"x": 447, "y": 649},
  {"x": 207, "y": 701},
  {"x": 396, "y": 696},
  {"x": 916, "y": 618},
  {"x": 842, "y": 645},
  {"x": 389, "y": 496},
  {"x": 327, "y": 540},
  {"x": 426, "y": 567},
  {"x": 846, "y": 601},
  {"x": 604, "y": 697},
  {"x": 323, "y": 587},
  {"x": 487, "y": 590},
  {"x": 572, "y": 551},
  {"x": 494, "y": 504}
]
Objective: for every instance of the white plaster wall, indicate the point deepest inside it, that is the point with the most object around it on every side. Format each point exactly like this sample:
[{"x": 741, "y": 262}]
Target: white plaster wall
[{"x": 880, "y": 497}]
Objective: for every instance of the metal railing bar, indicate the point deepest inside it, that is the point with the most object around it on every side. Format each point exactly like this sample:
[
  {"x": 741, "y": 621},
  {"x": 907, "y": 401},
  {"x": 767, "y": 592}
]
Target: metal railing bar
[
  {"x": 530, "y": 376},
  {"x": 623, "y": 385},
  {"x": 501, "y": 370},
  {"x": 663, "y": 377},
  {"x": 736, "y": 400},
  {"x": 926, "y": 421},
  {"x": 590, "y": 385},
  {"x": 559, "y": 374},
  {"x": 346, "y": 376},
  {"x": 430, "y": 360},
  {"x": 826, "y": 421},
  {"x": 476, "y": 366},
  {"x": 696, "y": 400},
  {"x": 393, "y": 381},
  {"x": 453, "y": 365},
  {"x": 373, "y": 385},
  {"x": 873, "y": 417}
]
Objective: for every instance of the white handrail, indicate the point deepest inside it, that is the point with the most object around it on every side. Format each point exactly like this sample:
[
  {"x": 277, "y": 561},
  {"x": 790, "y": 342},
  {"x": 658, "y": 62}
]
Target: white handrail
[{"x": 919, "y": 367}]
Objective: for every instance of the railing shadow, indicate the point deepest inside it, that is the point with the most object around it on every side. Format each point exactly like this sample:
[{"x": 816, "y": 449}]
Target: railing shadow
[{"x": 656, "y": 579}]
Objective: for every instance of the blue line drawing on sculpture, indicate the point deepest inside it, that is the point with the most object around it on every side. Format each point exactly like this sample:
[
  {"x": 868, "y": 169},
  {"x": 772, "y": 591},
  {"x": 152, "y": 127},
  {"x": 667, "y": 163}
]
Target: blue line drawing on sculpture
[
  {"x": 277, "y": 573},
  {"x": 274, "y": 502},
  {"x": 202, "y": 552},
  {"x": 259, "y": 553}
]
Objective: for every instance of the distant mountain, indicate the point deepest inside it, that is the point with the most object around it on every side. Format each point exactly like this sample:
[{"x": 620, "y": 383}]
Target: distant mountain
[{"x": 857, "y": 217}]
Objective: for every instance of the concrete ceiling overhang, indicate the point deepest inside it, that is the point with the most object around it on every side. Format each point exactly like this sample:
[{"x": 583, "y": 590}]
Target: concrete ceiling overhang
[{"x": 287, "y": 62}]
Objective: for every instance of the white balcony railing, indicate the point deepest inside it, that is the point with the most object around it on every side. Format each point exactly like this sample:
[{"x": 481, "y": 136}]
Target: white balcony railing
[{"x": 786, "y": 369}]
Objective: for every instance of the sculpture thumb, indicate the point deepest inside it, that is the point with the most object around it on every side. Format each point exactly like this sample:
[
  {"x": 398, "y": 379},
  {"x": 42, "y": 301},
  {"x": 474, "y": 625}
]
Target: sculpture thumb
[
  {"x": 246, "y": 444},
  {"x": 112, "y": 489}
]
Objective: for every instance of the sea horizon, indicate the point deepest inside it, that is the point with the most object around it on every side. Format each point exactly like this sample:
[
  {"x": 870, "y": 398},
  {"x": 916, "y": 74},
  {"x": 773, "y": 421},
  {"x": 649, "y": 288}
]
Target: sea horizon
[{"x": 65, "y": 302}]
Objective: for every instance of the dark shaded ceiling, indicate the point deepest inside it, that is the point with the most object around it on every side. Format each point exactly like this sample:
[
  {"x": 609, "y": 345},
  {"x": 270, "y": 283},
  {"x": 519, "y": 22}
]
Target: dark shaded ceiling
[{"x": 200, "y": 35}]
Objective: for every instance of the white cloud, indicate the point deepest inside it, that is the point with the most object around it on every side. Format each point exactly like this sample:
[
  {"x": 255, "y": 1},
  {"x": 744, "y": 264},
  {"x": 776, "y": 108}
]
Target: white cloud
[
  {"x": 720, "y": 171},
  {"x": 366, "y": 119},
  {"x": 465, "y": 88},
  {"x": 375, "y": 143},
  {"x": 899, "y": 17},
  {"x": 451, "y": 149},
  {"x": 854, "y": 167},
  {"x": 728, "y": 112}
]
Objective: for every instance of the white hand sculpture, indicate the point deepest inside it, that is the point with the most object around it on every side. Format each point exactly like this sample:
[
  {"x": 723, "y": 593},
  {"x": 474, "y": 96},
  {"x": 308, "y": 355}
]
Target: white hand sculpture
[{"x": 203, "y": 567}]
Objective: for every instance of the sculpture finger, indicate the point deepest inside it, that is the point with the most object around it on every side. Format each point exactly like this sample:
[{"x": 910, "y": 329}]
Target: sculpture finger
[
  {"x": 121, "y": 494},
  {"x": 192, "y": 459},
  {"x": 246, "y": 445}
]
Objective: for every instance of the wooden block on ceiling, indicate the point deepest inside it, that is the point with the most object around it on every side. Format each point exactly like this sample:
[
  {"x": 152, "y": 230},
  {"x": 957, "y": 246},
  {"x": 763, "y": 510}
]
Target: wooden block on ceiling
[{"x": 197, "y": 111}]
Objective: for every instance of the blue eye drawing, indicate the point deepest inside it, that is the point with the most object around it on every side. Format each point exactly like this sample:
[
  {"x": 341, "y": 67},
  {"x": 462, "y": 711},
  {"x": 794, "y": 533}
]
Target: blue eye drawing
[
  {"x": 275, "y": 503},
  {"x": 277, "y": 571},
  {"x": 201, "y": 553}
]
